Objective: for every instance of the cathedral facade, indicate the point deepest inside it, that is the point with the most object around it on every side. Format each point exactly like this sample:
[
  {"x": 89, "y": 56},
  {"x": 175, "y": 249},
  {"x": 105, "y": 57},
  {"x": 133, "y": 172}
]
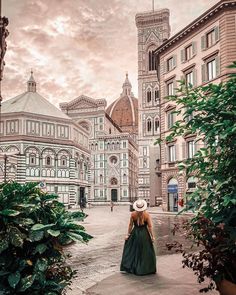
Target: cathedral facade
[{"x": 112, "y": 142}]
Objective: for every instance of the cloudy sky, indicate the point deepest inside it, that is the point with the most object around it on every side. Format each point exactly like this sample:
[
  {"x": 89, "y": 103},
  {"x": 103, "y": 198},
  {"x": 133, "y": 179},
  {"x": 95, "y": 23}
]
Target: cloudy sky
[{"x": 80, "y": 46}]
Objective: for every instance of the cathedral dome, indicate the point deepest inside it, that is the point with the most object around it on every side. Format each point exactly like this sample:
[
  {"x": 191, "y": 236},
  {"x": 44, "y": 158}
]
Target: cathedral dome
[{"x": 124, "y": 110}]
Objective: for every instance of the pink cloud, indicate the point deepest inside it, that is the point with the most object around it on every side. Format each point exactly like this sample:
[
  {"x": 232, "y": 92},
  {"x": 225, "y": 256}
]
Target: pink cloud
[{"x": 79, "y": 47}]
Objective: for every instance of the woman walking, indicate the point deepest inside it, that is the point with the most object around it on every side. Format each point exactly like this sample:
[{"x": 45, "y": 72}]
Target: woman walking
[{"x": 138, "y": 255}]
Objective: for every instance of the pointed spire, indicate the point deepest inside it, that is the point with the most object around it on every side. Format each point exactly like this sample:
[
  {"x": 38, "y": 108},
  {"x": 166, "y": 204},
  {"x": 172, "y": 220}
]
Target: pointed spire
[
  {"x": 31, "y": 84},
  {"x": 127, "y": 86}
]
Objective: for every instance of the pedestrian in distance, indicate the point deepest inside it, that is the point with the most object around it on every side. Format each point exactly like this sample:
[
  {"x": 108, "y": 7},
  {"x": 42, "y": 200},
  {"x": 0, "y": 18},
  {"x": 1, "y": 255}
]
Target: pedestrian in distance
[
  {"x": 139, "y": 256},
  {"x": 112, "y": 205}
]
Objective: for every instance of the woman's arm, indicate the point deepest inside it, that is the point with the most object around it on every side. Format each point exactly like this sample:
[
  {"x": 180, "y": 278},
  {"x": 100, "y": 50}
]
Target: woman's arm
[
  {"x": 131, "y": 223},
  {"x": 149, "y": 223}
]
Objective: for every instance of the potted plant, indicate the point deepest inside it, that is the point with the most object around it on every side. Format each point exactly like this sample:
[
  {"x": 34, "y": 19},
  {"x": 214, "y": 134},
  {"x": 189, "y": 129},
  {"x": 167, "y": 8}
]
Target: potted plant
[
  {"x": 34, "y": 229},
  {"x": 209, "y": 112}
]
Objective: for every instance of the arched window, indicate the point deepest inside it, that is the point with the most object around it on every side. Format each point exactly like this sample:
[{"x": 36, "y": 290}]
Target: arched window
[
  {"x": 63, "y": 161},
  {"x": 101, "y": 178},
  {"x": 124, "y": 178},
  {"x": 149, "y": 96},
  {"x": 157, "y": 95},
  {"x": 114, "y": 181},
  {"x": 151, "y": 61},
  {"x": 48, "y": 161},
  {"x": 149, "y": 125},
  {"x": 32, "y": 159},
  {"x": 156, "y": 125}
]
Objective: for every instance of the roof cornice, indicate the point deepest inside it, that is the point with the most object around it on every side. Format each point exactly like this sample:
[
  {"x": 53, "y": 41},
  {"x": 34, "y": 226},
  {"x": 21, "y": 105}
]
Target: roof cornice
[
  {"x": 97, "y": 102},
  {"x": 196, "y": 23}
]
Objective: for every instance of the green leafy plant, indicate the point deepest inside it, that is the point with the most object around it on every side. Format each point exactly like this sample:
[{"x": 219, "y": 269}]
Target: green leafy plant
[
  {"x": 34, "y": 229},
  {"x": 209, "y": 112}
]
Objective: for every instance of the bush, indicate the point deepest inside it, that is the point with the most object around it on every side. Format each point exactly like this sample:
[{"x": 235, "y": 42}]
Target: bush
[
  {"x": 209, "y": 112},
  {"x": 34, "y": 228}
]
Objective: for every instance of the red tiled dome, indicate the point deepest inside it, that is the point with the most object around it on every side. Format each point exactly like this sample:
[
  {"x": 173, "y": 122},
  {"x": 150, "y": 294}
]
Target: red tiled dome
[{"x": 124, "y": 110}]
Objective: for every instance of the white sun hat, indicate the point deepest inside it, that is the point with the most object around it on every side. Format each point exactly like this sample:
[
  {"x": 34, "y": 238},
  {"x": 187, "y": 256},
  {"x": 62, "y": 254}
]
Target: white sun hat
[{"x": 140, "y": 205}]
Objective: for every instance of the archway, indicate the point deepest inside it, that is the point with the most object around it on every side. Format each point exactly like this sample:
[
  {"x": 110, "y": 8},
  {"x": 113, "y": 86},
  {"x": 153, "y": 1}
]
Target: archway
[{"x": 172, "y": 190}]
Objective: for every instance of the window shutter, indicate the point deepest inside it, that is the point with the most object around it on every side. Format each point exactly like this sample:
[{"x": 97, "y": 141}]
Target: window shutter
[
  {"x": 164, "y": 67},
  {"x": 164, "y": 90},
  {"x": 184, "y": 150},
  {"x": 197, "y": 144},
  {"x": 166, "y": 154},
  {"x": 183, "y": 55},
  {"x": 194, "y": 77},
  {"x": 194, "y": 48},
  {"x": 203, "y": 42},
  {"x": 174, "y": 61},
  {"x": 204, "y": 78},
  {"x": 168, "y": 120},
  {"x": 217, "y": 33},
  {"x": 174, "y": 85},
  {"x": 217, "y": 65},
  {"x": 176, "y": 152},
  {"x": 182, "y": 78}
]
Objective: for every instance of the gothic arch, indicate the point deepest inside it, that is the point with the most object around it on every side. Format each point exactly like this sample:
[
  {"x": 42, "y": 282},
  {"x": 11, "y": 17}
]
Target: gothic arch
[
  {"x": 12, "y": 148},
  {"x": 156, "y": 124},
  {"x": 32, "y": 147},
  {"x": 48, "y": 149},
  {"x": 149, "y": 125},
  {"x": 114, "y": 181},
  {"x": 150, "y": 57},
  {"x": 148, "y": 95},
  {"x": 64, "y": 151}
]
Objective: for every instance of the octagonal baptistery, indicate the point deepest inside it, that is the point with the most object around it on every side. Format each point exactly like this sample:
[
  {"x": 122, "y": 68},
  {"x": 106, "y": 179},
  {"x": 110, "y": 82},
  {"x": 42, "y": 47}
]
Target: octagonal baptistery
[{"x": 124, "y": 110}]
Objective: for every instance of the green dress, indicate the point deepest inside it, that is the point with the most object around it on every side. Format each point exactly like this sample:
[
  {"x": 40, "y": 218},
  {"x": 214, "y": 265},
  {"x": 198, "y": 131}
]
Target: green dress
[{"x": 138, "y": 255}]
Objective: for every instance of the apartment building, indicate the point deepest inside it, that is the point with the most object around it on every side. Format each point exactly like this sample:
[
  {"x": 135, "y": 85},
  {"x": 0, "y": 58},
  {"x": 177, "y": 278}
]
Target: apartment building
[{"x": 200, "y": 54}]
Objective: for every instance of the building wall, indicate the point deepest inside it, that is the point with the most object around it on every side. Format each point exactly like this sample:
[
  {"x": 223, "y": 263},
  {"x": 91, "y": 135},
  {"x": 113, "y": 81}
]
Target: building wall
[
  {"x": 223, "y": 51},
  {"x": 153, "y": 28},
  {"x": 58, "y": 162}
]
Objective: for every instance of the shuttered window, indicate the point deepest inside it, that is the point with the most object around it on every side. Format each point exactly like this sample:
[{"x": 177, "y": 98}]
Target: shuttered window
[
  {"x": 172, "y": 153},
  {"x": 210, "y": 38}
]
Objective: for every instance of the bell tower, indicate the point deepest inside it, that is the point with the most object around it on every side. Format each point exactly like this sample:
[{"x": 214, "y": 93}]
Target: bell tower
[{"x": 153, "y": 28}]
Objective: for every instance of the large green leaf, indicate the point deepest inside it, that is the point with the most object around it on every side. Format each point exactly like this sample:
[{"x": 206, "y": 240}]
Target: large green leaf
[
  {"x": 9, "y": 212},
  {"x": 36, "y": 236},
  {"x": 40, "y": 226},
  {"x": 27, "y": 282},
  {"x": 41, "y": 265},
  {"x": 3, "y": 245},
  {"x": 16, "y": 237},
  {"x": 54, "y": 233},
  {"x": 13, "y": 279},
  {"x": 41, "y": 248}
]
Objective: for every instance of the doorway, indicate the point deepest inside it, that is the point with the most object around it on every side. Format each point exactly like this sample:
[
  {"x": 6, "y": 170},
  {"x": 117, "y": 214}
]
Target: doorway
[
  {"x": 82, "y": 199},
  {"x": 114, "y": 195},
  {"x": 173, "y": 197}
]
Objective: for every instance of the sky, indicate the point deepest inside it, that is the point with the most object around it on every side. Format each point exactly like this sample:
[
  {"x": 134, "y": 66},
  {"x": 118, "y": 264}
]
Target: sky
[{"x": 80, "y": 47}]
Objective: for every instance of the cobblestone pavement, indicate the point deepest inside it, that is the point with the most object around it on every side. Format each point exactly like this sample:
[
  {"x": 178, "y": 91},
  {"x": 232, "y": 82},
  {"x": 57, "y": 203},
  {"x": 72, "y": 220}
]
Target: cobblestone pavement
[{"x": 101, "y": 257}]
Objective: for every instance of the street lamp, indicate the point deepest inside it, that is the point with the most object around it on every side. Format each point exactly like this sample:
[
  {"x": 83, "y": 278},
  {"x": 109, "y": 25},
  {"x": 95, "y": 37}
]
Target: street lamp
[{"x": 5, "y": 156}]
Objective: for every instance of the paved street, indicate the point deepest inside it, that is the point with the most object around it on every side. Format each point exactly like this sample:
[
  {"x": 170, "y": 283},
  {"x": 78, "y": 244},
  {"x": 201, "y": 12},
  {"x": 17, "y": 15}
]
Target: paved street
[{"x": 98, "y": 262}]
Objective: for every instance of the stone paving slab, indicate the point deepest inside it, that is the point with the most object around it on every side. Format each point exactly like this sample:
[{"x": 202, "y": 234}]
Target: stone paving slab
[{"x": 171, "y": 279}]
